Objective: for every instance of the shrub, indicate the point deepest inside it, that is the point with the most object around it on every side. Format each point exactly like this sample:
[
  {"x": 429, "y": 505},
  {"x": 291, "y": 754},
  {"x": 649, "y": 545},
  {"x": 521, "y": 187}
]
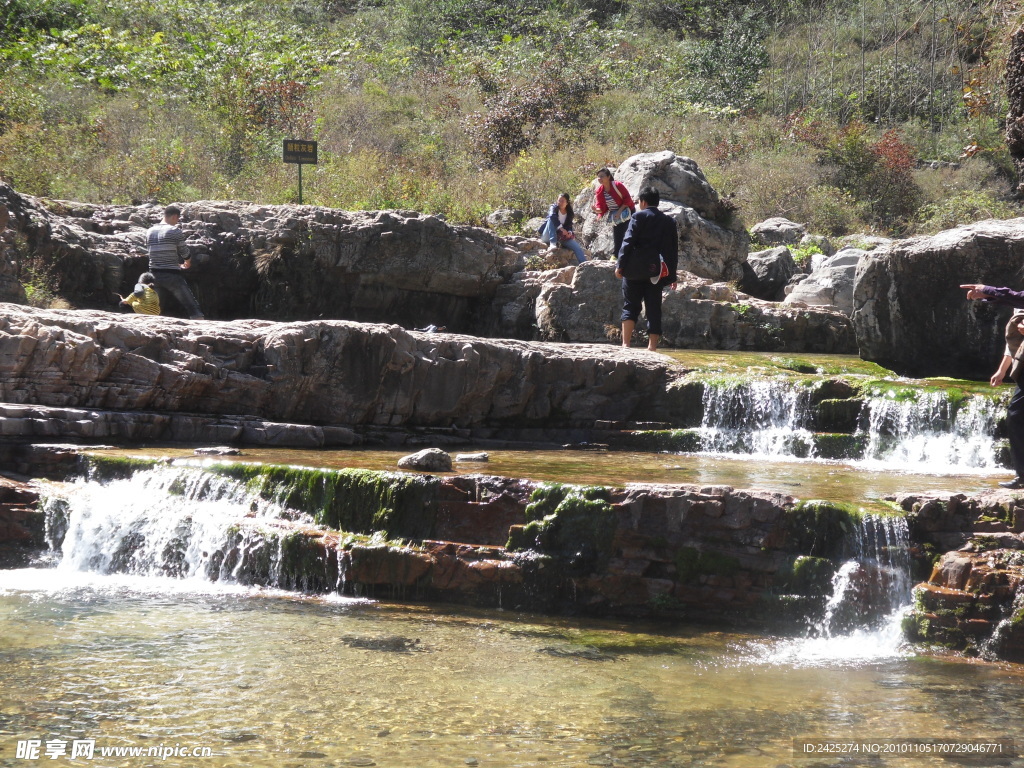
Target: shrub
[
  {"x": 964, "y": 208},
  {"x": 725, "y": 69},
  {"x": 516, "y": 115},
  {"x": 833, "y": 211}
]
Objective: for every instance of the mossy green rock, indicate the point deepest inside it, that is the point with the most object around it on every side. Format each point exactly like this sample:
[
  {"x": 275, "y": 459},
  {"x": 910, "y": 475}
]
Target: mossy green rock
[
  {"x": 354, "y": 500},
  {"x": 574, "y": 524},
  {"x": 817, "y": 528}
]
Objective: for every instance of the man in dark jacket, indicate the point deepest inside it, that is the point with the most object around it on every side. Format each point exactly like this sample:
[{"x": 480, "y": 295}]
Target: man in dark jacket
[{"x": 650, "y": 241}]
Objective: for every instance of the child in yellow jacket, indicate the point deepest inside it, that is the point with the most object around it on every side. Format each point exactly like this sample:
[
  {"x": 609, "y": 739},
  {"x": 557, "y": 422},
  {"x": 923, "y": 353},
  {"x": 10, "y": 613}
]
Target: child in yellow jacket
[{"x": 144, "y": 299}]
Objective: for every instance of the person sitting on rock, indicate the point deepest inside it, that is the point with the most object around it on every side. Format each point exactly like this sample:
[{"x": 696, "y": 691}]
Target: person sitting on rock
[
  {"x": 557, "y": 228},
  {"x": 144, "y": 299}
]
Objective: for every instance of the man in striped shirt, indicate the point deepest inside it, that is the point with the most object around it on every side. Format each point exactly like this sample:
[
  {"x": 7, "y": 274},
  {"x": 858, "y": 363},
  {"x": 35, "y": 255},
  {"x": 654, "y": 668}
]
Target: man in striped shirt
[{"x": 168, "y": 255}]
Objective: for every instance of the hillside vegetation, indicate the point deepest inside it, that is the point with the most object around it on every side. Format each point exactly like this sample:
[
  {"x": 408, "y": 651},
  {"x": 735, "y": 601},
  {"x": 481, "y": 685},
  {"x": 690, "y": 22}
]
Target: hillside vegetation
[{"x": 818, "y": 110}]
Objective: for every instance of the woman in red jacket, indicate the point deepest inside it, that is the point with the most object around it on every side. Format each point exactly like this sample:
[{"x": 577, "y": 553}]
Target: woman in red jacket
[{"x": 611, "y": 197}]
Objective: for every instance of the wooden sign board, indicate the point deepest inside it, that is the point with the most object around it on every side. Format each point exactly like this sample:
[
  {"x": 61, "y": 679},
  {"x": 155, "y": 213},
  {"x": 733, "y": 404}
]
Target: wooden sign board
[{"x": 301, "y": 152}]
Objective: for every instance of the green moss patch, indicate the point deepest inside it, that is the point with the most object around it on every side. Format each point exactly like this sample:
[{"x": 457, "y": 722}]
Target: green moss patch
[
  {"x": 106, "y": 468},
  {"x": 356, "y": 500},
  {"x": 806, "y": 575},
  {"x": 692, "y": 563},
  {"x": 817, "y": 528},
  {"x": 838, "y": 446},
  {"x": 655, "y": 440},
  {"x": 575, "y": 524}
]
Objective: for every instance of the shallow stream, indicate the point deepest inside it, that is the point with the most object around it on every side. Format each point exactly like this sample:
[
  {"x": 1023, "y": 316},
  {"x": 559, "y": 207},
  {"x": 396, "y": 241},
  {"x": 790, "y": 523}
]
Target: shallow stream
[
  {"x": 264, "y": 678},
  {"x": 261, "y": 677}
]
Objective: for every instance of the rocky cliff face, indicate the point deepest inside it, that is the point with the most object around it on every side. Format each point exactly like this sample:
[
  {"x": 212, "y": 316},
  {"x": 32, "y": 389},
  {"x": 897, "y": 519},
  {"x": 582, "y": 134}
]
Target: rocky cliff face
[
  {"x": 973, "y": 600},
  {"x": 910, "y": 314},
  {"x": 322, "y": 373},
  {"x": 281, "y": 262}
]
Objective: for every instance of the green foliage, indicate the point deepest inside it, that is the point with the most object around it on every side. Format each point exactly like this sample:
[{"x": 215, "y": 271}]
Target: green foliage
[
  {"x": 802, "y": 256},
  {"x": 24, "y": 17},
  {"x": 462, "y": 106},
  {"x": 726, "y": 69},
  {"x": 834, "y": 211},
  {"x": 964, "y": 208}
]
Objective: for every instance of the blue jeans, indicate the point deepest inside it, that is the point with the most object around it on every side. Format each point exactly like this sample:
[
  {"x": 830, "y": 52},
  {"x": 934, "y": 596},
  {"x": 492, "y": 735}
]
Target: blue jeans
[
  {"x": 173, "y": 282},
  {"x": 550, "y": 235}
]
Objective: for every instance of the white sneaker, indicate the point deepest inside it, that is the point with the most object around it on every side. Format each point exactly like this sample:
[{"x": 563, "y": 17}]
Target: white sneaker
[{"x": 551, "y": 248}]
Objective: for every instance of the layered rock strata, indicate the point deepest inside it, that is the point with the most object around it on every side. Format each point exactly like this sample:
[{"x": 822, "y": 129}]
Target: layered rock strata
[
  {"x": 282, "y": 262},
  {"x": 327, "y": 373},
  {"x": 973, "y": 599},
  {"x": 709, "y": 553}
]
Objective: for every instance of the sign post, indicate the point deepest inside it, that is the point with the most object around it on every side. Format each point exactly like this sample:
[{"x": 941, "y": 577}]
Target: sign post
[{"x": 300, "y": 152}]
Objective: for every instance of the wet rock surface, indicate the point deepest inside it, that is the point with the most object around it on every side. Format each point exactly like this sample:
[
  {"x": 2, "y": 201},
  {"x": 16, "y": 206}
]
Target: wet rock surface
[
  {"x": 973, "y": 598},
  {"x": 21, "y": 523},
  {"x": 427, "y": 460}
]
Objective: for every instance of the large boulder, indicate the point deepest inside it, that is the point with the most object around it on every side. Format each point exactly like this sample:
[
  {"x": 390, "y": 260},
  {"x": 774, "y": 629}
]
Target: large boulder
[
  {"x": 910, "y": 313},
  {"x": 778, "y": 231},
  {"x": 766, "y": 273},
  {"x": 830, "y": 284},
  {"x": 700, "y": 315},
  {"x": 712, "y": 242}
]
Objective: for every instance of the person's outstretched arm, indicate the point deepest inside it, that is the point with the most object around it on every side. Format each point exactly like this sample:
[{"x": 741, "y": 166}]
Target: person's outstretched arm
[{"x": 978, "y": 291}]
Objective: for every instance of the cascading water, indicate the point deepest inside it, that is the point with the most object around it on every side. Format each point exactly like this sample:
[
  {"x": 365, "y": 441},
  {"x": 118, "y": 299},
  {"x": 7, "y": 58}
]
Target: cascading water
[
  {"x": 171, "y": 521},
  {"x": 931, "y": 433},
  {"x": 871, "y": 591},
  {"x": 766, "y": 418}
]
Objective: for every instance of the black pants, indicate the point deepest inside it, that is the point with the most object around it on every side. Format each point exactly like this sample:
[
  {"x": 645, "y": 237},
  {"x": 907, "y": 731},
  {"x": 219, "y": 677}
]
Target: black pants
[
  {"x": 618, "y": 232},
  {"x": 1015, "y": 430},
  {"x": 643, "y": 292}
]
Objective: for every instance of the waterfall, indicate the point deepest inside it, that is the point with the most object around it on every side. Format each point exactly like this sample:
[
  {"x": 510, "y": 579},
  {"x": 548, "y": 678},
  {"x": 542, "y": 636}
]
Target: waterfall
[
  {"x": 171, "y": 521},
  {"x": 923, "y": 431},
  {"x": 930, "y": 434},
  {"x": 871, "y": 591},
  {"x": 766, "y": 418}
]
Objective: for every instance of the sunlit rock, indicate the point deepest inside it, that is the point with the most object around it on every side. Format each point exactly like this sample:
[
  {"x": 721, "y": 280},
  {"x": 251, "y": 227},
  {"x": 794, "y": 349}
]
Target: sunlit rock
[{"x": 427, "y": 460}]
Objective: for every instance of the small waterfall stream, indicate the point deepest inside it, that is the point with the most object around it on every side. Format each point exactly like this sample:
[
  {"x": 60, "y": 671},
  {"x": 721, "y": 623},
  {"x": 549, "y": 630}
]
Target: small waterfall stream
[
  {"x": 931, "y": 432},
  {"x": 171, "y": 521},
  {"x": 871, "y": 591},
  {"x": 758, "y": 417}
]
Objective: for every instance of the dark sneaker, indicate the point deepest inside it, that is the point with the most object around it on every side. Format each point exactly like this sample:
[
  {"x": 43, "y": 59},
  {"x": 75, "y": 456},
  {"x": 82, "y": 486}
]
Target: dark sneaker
[{"x": 1015, "y": 484}]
